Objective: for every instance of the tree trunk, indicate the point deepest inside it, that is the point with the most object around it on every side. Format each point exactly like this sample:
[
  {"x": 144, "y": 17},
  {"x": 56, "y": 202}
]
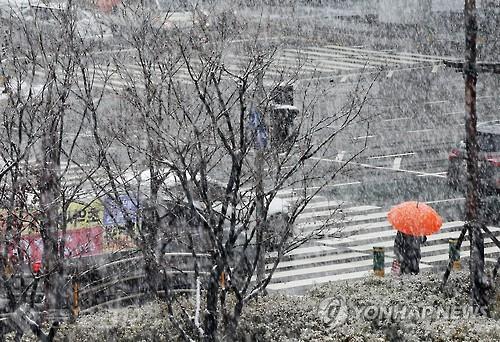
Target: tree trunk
[
  {"x": 210, "y": 321},
  {"x": 50, "y": 204},
  {"x": 232, "y": 324},
  {"x": 148, "y": 244},
  {"x": 259, "y": 184},
  {"x": 259, "y": 214},
  {"x": 51, "y": 264}
]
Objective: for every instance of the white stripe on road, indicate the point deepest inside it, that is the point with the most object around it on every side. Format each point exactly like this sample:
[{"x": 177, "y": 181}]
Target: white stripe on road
[
  {"x": 345, "y": 184},
  {"x": 397, "y": 163},
  {"x": 375, "y": 55},
  {"x": 322, "y": 204},
  {"x": 445, "y": 257},
  {"x": 348, "y": 220},
  {"x": 364, "y": 137},
  {"x": 436, "y": 102},
  {"x": 318, "y": 259},
  {"x": 389, "y": 234},
  {"x": 482, "y": 122},
  {"x": 368, "y": 166},
  {"x": 322, "y": 269},
  {"x": 334, "y": 210},
  {"x": 313, "y": 59},
  {"x": 396, "y": 119},
  {"x": 353, "y": 229},
  {"x": 405, "y": 57},
  {"x": 303, "y": 283},
  {"x": 434, "y": 173},
  {"x": 487, "y": 122},
  {"x": 321, "y": 280},
  {"x": 285, "y": 192},
  {"x": 308, "y": 65},
  {"x": 393, "y": 155},
  {"x": 305, "y": 251},
  {"x": 457, "y": 199},
  {"x": 443, "y": 249},
  {"x": 428, "y": 57},
  {"x": 420, "y": 130},
  {"x": 361, "y": 60}
]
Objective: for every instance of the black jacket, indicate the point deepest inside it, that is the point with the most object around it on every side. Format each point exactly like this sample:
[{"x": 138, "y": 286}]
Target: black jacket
[{"x": 407, "y": 251}]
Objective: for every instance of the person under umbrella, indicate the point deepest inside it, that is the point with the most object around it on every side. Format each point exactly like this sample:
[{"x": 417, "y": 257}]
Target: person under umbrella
[
  {"x": 407, "y": 252},
  {"x": 413, "y": 222}
]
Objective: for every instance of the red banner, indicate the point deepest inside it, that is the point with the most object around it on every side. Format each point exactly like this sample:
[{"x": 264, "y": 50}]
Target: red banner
[
  {"x": 107, "y": 5},
  {"x": 78, "y": 243}
]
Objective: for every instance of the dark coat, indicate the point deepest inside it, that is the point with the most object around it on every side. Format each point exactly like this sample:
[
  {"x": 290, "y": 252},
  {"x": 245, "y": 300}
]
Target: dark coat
[{"x": 407, "y": 252}]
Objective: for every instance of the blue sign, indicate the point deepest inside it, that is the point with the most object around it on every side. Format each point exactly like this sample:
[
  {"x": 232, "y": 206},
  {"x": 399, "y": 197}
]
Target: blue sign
[
  {"x": 258, "y": 128},
  {"x": 116, "y": 211}
]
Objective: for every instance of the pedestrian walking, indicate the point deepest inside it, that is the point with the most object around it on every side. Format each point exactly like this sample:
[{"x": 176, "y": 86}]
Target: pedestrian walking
[
  {"x": 414, "y": 221},
  {"x": 407, "y": 252}
]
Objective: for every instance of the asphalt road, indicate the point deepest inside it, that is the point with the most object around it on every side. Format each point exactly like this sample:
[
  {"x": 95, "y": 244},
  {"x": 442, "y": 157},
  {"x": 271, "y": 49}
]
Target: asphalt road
[
  {"x": 412, "y": 116},
  {"x": 415, "y": 118}
]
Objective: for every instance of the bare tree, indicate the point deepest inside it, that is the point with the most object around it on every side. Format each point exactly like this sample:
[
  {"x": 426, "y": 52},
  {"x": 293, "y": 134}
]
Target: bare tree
[
  {"x": 188, "y": 143},
  {"x": 42, "y": 141},
  {"x": 178, "y": 135}
]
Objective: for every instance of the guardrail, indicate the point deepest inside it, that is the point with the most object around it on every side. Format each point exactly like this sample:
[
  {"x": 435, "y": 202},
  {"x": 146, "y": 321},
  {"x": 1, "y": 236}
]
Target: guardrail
[
  {"x": 116, "y": 280},
  {"x": 122, "y": 280}
]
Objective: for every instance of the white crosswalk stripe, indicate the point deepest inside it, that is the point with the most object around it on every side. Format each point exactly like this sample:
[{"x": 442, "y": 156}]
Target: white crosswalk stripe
[
  {"x": 303, "y": 63},
  {"x": 399, "y": 57},
  {"x": 345, "y": 254}
]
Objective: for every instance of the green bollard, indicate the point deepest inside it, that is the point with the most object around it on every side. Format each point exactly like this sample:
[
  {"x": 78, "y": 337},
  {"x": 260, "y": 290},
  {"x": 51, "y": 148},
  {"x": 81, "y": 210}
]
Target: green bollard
[
  {"x": 454, "y": 254},
  {"x": 378, "y": 261}
]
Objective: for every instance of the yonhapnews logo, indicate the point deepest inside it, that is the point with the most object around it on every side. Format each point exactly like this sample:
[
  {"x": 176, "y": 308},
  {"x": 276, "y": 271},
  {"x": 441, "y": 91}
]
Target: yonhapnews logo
[{"x": 335, "y": 311}]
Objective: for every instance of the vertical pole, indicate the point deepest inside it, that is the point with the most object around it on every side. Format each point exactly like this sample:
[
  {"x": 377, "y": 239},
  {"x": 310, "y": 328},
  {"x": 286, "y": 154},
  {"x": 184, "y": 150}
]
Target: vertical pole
[
  {"x": 450, "y": 263},
  {"x": 472, "y": 199},
  {"x": 75, "y": 307},
  {"x": 454, "y": 254},
  {"x": 259, "y": 186},
  {"x": 378, "y": 261}
]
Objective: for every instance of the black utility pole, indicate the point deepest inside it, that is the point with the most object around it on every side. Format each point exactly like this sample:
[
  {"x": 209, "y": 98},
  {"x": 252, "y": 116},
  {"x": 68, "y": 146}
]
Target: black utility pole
[
  {"x": 472, "y": 219},
  {"x": 474, "y": 224}
]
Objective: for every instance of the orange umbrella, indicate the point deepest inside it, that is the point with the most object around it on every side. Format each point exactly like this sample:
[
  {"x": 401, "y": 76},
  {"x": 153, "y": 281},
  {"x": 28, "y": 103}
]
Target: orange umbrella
[{"x": 414, "y": 218}]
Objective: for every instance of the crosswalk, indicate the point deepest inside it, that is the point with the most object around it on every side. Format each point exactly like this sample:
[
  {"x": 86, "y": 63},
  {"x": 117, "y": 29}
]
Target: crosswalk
[
  {"x": 331, "y": 61},
  {"x": 339, "y": 58},
  {"x": 347, "y": 234},
  {"x": 345, "y": 252}
]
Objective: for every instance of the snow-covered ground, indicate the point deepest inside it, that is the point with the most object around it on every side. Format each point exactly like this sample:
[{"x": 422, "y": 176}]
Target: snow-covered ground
[{"x": 355, "y": 311}]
